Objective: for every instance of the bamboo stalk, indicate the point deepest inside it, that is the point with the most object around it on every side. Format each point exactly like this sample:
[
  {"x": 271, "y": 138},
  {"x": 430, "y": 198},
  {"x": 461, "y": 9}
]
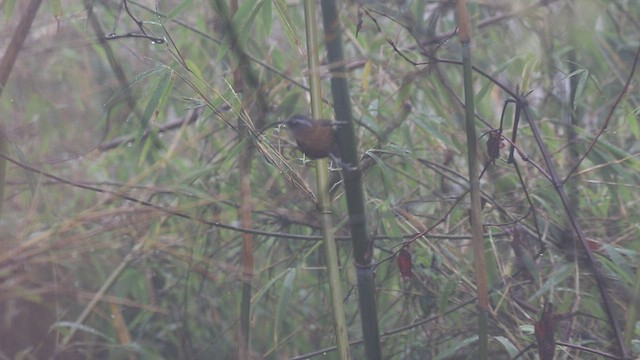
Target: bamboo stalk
[
  {"x": 360, "y": 237},
  {"x": 464, "y": 24},
  {"x": 324, "y": 198}
]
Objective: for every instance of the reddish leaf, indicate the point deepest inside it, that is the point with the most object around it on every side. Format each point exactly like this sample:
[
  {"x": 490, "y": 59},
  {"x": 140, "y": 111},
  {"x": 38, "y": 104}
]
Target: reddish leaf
[
  {"x": 404, "y": 263},
  {"x": 545, "y": 333},
  {"x": 494, "y": 144},
  {"x": 594, "y": 246}
]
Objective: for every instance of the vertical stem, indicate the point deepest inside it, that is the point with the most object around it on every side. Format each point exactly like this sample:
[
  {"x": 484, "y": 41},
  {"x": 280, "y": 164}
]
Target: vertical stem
[
  {"x": 573, "y": 122},
  {"x": 474, "y": 182},
  {"x": 246, "y": 206},
  {"x": 324, "y": 199},
  {"x": 245, "y": 81},
  {"x": 247, "y": 249},
  {"x": 360, "y": 237}
]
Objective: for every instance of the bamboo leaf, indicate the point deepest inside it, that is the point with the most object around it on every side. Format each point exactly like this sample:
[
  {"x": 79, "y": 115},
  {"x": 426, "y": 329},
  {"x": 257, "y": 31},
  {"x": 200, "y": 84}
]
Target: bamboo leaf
[
  {"x": 184, "y": 5},
  {"x": 457, "y": 346},
  {"x": 557, "y": 277},
  {"x": 81, "y": 327},
  {"x": 260, "y": 293},
  {"x": 283, "y": 302},
  {"x": 508, "y": 345},
  {"x": 266, "y": 14},
  {"x": 56, "y": 9},
  {"x": 160, "y": 94}
]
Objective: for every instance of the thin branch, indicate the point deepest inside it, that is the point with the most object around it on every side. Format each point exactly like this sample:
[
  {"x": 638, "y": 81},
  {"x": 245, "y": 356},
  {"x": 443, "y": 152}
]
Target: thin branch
[
  {"x": 165, "y": 210},
  {"x": 594, "y": 265},
  {"x": 191, "y": 118}
]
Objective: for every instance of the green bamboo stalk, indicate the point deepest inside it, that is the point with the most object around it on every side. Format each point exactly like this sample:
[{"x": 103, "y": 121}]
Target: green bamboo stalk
[
  {"x": 464, "y": 25},
  {"x": 3, "y": 167},
  {"x": 360, "y": 237},
  {"x": 575, "y": 114},
  {"x": 324, "y": 198}
]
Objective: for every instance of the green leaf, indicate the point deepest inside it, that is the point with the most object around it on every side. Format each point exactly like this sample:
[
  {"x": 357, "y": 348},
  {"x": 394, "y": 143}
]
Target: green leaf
[
  {"x": 457, "y": 346},
  {"x": 632, "y": 120},
  {"x": 281, "y": 7},
  {"x": 617, "y": 264},
  {"x": 194, "y": 68},
  {"x": 178, "y": 9},
  {"x": 582, "y": 82},
  {"x": 160, "y": 94},
  {"x": 386, "y": 174},
  {"x": 258, "y": 296},
  {"x": 81, "y": 327},
  {"x": 491, "y": 259},
  {"x": 557, "y": 276},
  {"x": 427, "y": 303},
  {"x": 241, "y": 23},
  {"x": 508, "y": 345},
  {"x": 445, "y": 295},
  {"x": 147, "y": 146},
  {"x": 244, "y": 19},
  {"x": 488, "y": 85},
  {"x": 427, "y": 123},
  {"x": 9, "y": 5},
  {"x": 118, "y": 95},
  {"x": 56, "y": 9},
  {"x": 267, "y": 16},
  {"x": 283, "y": 302}
]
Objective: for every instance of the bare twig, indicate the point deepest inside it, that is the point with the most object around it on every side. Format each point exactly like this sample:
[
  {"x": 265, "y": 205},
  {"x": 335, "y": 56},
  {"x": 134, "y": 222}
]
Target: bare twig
[{"x": 592, "y": 261}]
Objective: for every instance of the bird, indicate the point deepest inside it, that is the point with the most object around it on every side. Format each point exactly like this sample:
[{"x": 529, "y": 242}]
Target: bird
[{"x": 315, "y": 138}]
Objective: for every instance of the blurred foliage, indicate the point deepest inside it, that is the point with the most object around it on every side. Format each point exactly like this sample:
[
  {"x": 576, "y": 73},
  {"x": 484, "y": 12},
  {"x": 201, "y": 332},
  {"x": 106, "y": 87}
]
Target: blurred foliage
[{"x": 67, "y": 113}]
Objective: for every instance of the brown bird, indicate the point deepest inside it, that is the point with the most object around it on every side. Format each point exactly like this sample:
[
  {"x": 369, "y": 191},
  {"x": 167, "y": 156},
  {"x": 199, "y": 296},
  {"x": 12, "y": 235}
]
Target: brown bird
[{"x": 315, "y": 138}]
